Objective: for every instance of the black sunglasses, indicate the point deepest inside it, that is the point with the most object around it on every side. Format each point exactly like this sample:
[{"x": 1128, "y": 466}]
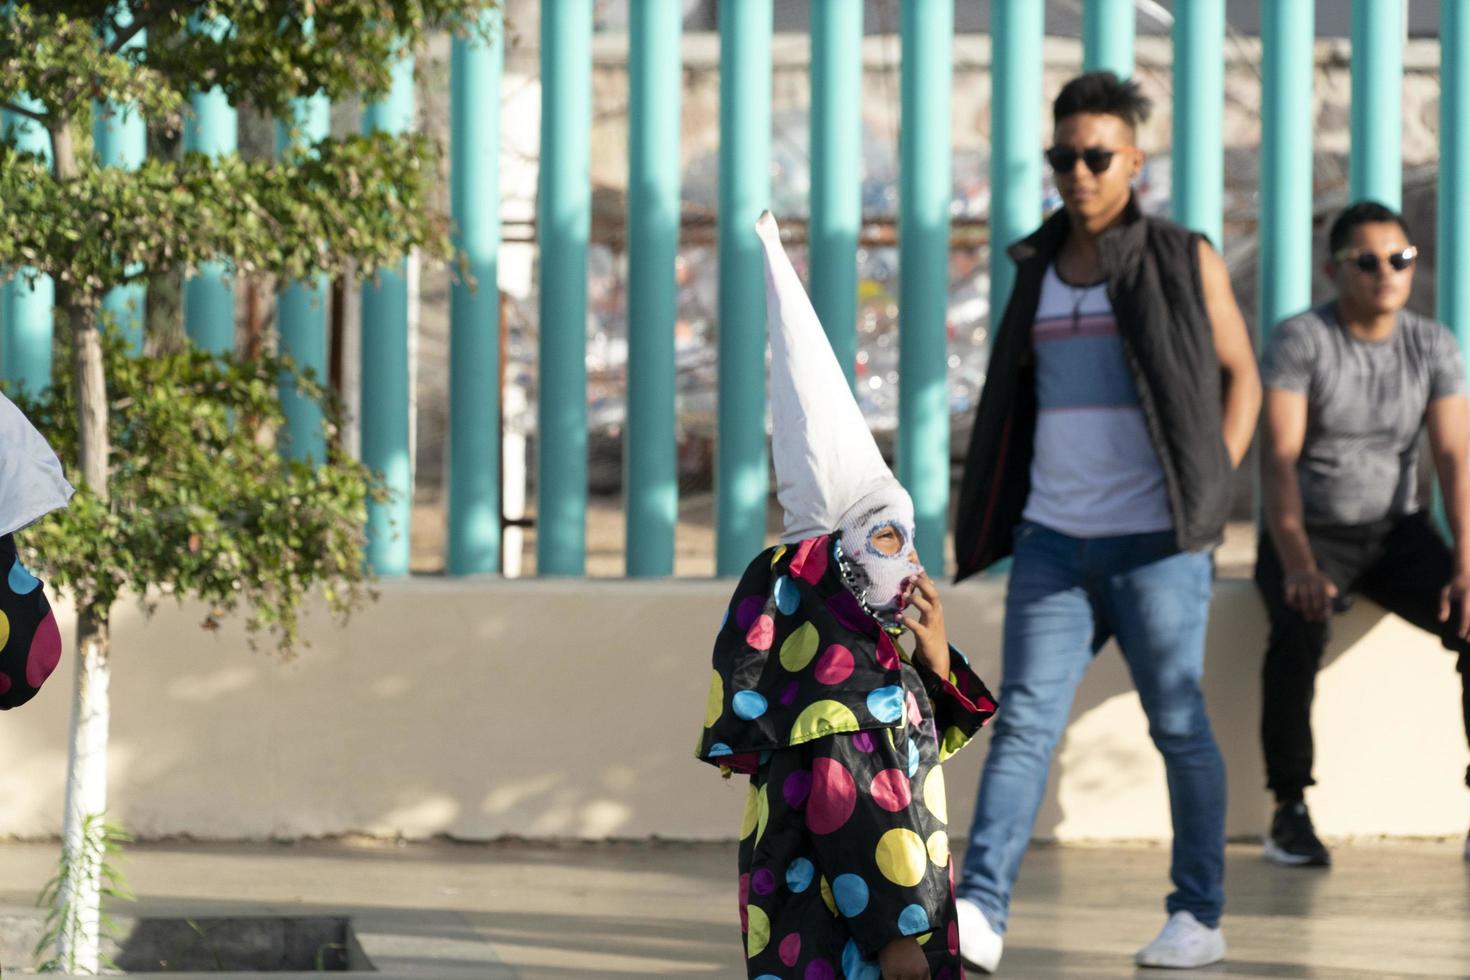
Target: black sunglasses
[
  {"x": 1368, "y": 262},
  {"x": 1063, "y": 159}
]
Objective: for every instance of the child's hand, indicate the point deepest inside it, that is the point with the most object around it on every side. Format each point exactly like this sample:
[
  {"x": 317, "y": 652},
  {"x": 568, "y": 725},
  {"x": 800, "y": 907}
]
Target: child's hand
[
  {"x": 902, "y": 959},
  {"x": 933, "y": 641}
]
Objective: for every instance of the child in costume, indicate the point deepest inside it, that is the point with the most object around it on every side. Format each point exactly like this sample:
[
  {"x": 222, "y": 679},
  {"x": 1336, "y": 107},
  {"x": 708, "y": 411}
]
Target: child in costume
[
  {"x": 844, "y": 854},
  {"x": 31, "y": 486}
]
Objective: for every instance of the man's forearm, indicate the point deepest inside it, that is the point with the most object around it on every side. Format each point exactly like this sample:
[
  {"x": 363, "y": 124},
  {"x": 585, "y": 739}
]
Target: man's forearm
[
  {"x": 1454, "y": 484},
  {"x": 1242, "y": 408},
  {"x": 1285, "y": 519}
]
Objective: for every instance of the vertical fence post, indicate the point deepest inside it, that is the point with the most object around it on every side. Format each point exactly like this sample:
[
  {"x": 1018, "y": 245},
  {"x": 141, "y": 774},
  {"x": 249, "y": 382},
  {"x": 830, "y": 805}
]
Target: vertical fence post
[
  {"x": 28, "y": 303},
  {"x": 211, "y": 128},
  {"x": 1452, "y": 286},
  {"x": 651, "y": 483},
  {"x": 385, "y": 366},
  {"x": 1016, "y": 29},
  {"x": 745, "y": 190},
  {"x": 301, "y": 307},
  {"x": 474, "y": 315},
  {"x": 1285, "y": 253},
  {"x": 1107, "y": 35},
  {"x": 1199, "y": 105},
  {"x": 121, "y": 139},
  {"x": 564, "y": 226},
  {"x": 837, "y": 151},
  {"x": 927, "y": 29},
  {"x": 1375, "y": 164}
]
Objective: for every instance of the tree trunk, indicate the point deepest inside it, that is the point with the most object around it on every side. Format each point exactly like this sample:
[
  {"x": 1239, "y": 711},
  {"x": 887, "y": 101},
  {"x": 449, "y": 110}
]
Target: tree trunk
[{"x": 83, "y": 835}]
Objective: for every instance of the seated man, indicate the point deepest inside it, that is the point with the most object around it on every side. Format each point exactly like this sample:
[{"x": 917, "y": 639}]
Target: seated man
[{"x": 1349, "y": 385}]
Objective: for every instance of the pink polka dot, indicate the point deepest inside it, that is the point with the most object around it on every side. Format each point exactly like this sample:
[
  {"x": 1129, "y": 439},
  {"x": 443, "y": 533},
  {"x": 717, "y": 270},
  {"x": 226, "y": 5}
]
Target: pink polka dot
[
  {"x": 750, "y": 607},
  {"x": 863, "y": 742},
  {"x": 763, "y": 882},
  {"x": 834, "y": 794},
  {"x": 791, "y": 949},
  {"x": 953, "y": 935},
  {"x": 819, "y": 970},
  {"x": 762, "y": 633},
  {"x": 891, "y": 790},
  {"x": 744, "y": 901},
  {"x": 789, "y": 692},
  {"x": 811, "y": 559},
  {"x": 45, "y": 651},
  {"x": 887, "y": 653},
  {"x": 834, "y": 665},
  {"x": 797, "y": 788},
  {"x": 944, "y": 974},
  {"x": 915, "y": 716},
  {"x": 4, "y": 683}
]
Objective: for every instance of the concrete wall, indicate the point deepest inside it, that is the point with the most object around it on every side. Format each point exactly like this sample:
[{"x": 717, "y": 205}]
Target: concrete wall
[{"x": 570, "y": 709}]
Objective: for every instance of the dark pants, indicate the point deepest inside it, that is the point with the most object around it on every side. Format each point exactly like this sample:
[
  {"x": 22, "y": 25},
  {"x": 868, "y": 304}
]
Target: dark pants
[{"x": 1400, "y": 564}]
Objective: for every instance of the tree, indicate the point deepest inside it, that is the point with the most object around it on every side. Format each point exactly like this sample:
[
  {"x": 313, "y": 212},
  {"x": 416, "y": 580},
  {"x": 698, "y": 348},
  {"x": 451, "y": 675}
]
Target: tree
[{"x": 362, "y": 199}]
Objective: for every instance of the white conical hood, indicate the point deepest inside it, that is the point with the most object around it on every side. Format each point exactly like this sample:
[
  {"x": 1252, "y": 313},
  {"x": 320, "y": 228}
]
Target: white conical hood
[
  {"x": 31, "y": 482},
  {"x": 826, "y": 459}
]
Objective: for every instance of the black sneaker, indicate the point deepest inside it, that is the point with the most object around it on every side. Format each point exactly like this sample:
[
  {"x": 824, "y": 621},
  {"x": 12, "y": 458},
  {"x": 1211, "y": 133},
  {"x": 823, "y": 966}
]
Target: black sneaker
[{"x": 1293, "y": 841}]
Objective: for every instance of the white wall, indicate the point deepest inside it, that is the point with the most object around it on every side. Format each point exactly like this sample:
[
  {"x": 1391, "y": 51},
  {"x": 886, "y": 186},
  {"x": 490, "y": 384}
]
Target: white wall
[{"x": 570, "y": 709}]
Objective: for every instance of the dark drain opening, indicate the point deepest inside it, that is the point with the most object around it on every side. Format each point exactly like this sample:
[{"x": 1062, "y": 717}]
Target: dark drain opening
[{"x": 241, "y": 944}]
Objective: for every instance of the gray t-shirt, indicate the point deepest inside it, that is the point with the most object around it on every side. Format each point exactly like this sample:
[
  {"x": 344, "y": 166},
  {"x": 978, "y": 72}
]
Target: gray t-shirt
[{"x": 1365, "y": 408}]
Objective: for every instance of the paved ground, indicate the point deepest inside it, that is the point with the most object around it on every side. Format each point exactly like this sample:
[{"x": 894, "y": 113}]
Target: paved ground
[{"x": 519, "y": 911}]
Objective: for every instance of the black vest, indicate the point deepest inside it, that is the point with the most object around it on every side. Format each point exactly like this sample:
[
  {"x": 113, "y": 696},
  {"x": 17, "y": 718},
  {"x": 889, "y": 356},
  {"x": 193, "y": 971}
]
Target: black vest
[{"x": 1152, "y": 271}]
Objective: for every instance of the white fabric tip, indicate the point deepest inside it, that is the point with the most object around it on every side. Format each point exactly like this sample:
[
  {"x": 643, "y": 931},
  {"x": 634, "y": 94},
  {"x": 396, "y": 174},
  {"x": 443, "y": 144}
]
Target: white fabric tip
[
  {"x": 826, "y": 460},
  {"x": 31, "y": 482}
]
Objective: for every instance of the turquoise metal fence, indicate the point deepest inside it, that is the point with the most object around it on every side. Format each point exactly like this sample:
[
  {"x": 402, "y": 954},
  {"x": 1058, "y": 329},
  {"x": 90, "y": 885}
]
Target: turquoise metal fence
[
  {"x": 655, "y": 83},
  {"x": 27, "y": 300},
  {"x": 121, "y": 137},
  {"x": 211, "y": 128}
]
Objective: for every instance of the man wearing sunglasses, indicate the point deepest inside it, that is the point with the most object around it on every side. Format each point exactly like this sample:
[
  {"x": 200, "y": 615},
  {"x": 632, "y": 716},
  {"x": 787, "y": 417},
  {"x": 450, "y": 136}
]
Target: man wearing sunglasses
[
  {"x": 1349, "y": 386},
  {"x": 1121, "y": 393}
]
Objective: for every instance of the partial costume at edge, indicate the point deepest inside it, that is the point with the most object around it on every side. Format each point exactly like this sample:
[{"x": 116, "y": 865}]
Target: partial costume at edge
[
  {"x": 31, "y": 486},
  {"x": 843, "y": 843}
]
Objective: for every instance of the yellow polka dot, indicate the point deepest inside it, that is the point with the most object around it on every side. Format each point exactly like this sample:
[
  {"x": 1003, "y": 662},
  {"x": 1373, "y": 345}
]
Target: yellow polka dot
[
  {"x": 4, "y": 630},
  {"x": 822, "y": 718},
  {"x": 759, "y": 935},
  {"x": 939, "y": 848},
  {"x": 935, "y": 797},
  {"x": 924, "y": 939},
  {"x": 902, "y": 857},
  {"x": 762, "y": 814},
  {"x": 780, "y": 552},
  {"x": 715, "y": 704},
  {"x": 954, "y": 740},
  {"x": 800, "y": 647},
  {"x": 750, "y": 816},
  {"x": 827, "y": 896}
]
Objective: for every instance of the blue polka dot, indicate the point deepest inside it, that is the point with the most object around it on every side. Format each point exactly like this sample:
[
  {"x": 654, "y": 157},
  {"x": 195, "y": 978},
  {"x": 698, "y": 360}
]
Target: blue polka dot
[
  {"x": 787, "y": 597},
  {"x": 726, "y": 618},
  {"x": 748, "y": 705},
  {"x": 767, "y": 976},
  {"x": 886, "y": 703},
  {"x": 913, "y": 758},
  {"x": 913, "y": 920},
  {"x": 854, "y": 967},
  {"x": 719, "y": 749},
  {"x": 22, "y": 582},
  {"x": 799, "y": 875},
  {"x": 851, "y": 893}
]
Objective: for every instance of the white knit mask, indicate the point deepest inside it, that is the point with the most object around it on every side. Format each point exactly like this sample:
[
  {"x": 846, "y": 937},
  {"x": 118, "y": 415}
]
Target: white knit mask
[{"x": 880, "y": 579}]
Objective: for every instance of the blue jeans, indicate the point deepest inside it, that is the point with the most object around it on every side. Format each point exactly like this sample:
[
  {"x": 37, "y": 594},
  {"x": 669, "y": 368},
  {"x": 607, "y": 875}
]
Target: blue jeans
[{"x": 1066, "y": 596}]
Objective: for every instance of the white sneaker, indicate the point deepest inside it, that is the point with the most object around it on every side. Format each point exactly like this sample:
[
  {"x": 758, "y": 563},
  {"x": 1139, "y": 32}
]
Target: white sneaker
[
  {"x": 980, "y": 945},
  {"x": 1183, "y": 944}
]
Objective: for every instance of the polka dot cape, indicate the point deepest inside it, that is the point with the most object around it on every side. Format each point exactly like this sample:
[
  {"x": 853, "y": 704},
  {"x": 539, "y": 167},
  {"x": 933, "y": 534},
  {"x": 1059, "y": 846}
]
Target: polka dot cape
[
  {"x": 843, "y": 839},
  {"x": 30, "y": 643}
]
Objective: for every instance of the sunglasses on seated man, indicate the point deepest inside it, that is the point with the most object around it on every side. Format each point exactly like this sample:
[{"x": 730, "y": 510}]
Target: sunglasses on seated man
[
  {"x": 1063, "y": 159},
  {"x": 1369, "y": 262}
]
